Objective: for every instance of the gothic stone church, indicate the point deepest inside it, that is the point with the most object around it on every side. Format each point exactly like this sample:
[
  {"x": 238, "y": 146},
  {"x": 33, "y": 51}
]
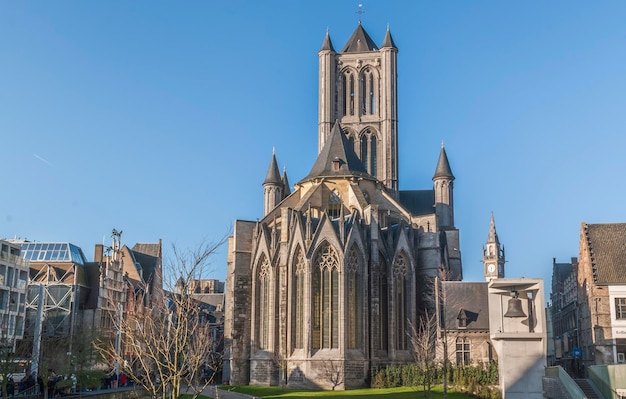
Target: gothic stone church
[{"x": 331, "y": 278}]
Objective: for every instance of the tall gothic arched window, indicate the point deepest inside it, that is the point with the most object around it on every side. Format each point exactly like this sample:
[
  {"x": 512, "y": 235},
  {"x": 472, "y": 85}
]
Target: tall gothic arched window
[
  {"x": 334, "y": 205},
  {"x": 263, "y": 303},
  {"x": 298, "y": 309},
  {"x": 401, "y": 300},
  {"x": 383, "y": 289},
  {"x": 325, "y": 298},
  {"x": 366, "y": 93},
  {"x": 372, "y": 100},
  {"x": 351, "y": 93},
  {"x": 354, "y": 300},
  {"x": 369, "y": 151}
]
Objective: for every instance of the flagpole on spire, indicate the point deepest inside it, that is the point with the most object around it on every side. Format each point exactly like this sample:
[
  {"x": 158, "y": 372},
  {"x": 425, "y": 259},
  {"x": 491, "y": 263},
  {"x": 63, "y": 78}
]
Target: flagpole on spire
[{"x": 360, "y": 12}]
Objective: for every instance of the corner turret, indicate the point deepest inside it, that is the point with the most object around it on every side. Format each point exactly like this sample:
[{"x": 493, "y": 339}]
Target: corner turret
[
  {"x": 272, "y": 186},
  {"x": 443, "y": 186}
]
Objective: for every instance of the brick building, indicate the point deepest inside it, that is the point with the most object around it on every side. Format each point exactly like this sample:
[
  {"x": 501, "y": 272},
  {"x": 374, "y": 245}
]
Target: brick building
[{"x": 602, "y": 293}]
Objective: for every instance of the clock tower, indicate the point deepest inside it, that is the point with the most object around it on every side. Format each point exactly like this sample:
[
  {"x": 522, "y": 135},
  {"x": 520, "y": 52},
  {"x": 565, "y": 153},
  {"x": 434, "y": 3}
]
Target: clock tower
[{"x": 493, "y": 254}]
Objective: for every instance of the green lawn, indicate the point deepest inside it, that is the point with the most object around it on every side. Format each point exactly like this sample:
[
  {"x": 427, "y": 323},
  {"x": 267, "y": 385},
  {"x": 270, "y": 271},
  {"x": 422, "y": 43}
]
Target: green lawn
[{"x": 399, "y": 393}]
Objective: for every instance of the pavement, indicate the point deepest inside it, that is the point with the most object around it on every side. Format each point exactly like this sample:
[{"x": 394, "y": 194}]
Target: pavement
[{"x": 212, "y": 391}]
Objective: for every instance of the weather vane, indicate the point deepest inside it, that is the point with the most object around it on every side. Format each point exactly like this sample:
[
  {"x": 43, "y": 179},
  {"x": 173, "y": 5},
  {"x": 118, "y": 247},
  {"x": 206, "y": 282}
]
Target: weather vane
[{"x": 360, "y": 11}]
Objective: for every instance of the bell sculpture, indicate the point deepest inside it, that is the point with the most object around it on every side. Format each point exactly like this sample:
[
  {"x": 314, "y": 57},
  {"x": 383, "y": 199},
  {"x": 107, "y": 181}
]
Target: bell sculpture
[{"x": 515, "y": 306}]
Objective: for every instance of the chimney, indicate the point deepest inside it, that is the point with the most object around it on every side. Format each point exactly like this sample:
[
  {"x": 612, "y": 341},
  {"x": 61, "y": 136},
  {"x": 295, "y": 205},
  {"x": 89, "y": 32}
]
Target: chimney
[{"x": 98, "y": 253}]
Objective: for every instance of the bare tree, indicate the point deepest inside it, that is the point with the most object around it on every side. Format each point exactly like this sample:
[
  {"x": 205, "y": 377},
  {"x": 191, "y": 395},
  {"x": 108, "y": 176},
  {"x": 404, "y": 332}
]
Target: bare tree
[
  {"x": 7, "y": 362},
  {"x": 332, "y": 371},
  {"x": 169, "y": 339},
  {"x": 424, "y": 344}
]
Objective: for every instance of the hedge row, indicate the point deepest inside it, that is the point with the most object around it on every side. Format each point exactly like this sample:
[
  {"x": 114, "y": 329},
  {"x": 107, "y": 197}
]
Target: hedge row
[{"x": 477, "y": 379}]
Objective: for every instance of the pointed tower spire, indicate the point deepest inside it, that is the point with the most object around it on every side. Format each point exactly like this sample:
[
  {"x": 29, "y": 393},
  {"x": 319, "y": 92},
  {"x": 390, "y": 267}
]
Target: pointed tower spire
[
  {"x": 493, "y": 235},
  {"x": 493, "y": 254},
  {"x": 359, "y": 42},
  {"x": 272, "y": 186},
  {"x": 388, "y": 42},
  {"x": 443, "y": 169},
  {"x": 443, "y": 185},
  {"x": 327, "y": 45},
  {"x": 286, "y": 188}
]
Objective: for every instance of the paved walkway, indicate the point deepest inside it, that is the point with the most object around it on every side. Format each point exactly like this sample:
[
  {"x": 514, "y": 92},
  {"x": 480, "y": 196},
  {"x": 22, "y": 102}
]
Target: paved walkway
[{"x": 212, "y": 391}]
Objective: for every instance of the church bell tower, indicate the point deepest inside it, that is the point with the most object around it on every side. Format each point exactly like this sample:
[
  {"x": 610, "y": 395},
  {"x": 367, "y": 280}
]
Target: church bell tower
[
  {"x": 493, "y": 254},
  {"x": 358, "y": 87}
]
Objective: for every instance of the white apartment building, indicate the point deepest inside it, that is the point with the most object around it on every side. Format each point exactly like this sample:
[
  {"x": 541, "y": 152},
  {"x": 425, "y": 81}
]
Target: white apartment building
[{"x": 13, "y": 284}]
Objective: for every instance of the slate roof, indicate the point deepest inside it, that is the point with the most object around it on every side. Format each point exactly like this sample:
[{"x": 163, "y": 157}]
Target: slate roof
[
  {"x": 443, "y": 166},
  {"x": 359, "y": 42},
  {"x": 215, "y": 300},
  {"x": 285, "y": 182},
  {"x": 418, "y": 202},
  {"x": 337, "y": 147},
  {"x": 273, "y": 175},
  {"x": 147, "y": 255},
  {"x": 388, "y": 42},
  {"x": 607, "y": 248},
  {"x": 467, "y": 298},
  {"x": 327, "y": 44}
]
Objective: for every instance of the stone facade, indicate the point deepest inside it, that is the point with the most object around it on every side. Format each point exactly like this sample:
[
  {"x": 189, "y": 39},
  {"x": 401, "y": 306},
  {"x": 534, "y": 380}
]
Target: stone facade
[{"x": 322, "y": 289}]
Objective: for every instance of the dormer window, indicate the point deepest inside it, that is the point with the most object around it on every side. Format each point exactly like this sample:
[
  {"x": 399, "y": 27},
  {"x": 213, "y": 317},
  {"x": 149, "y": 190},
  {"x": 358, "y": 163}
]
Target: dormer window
[
  {"x": 336, "y": 163},
  {"x": 462, "y": 319}
]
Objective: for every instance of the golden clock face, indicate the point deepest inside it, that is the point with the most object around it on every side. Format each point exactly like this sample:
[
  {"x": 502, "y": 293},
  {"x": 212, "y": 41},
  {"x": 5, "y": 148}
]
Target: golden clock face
[{"x": 491, "y": 268}]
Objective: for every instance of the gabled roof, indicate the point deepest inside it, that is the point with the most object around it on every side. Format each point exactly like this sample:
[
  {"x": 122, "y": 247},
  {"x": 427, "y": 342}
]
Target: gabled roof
[
  {"x": 337, "y": 149},
  {"x": 359, "y": 42},
  {"x": 443, "y": 166},
  {"x": 607, "y": 249},
  {"x": 469, "y": 300},
  {"x": 148, "y": 256}
]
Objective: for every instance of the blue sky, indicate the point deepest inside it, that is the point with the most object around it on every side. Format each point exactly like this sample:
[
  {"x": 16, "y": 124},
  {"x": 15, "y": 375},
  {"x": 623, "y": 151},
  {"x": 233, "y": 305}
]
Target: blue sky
[{"x": 159, "y": 118}]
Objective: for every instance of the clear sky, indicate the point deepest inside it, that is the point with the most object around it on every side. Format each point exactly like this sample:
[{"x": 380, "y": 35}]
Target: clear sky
[{"x": 158, "y": 118}]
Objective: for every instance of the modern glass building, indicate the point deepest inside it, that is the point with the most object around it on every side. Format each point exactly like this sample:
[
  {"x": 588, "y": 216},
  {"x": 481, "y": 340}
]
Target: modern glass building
[
  {"x": 53, "y": 252},
  {"x": 60, "y": 268}
]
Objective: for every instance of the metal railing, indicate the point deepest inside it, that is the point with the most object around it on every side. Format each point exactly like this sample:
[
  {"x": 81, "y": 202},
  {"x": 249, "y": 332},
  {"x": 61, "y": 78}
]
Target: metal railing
[{"x": 15, "y": 259}]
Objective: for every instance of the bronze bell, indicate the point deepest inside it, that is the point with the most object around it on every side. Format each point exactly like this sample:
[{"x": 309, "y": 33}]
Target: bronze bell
[{"x": 515, "y": 308}]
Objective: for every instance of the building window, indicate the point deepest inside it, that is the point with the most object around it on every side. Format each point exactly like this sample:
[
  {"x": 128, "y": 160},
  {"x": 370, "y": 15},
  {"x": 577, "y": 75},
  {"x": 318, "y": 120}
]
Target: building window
[
  {"x": 334, "y": 205},
  {"x": 368, "y": 151},
  {"x": 349, "y": 94},
  {"x": 299, "y": 278},
  {"x": 263, "y": 302},
  {"x": 371, "y": 94},
  {"x": 351, "y": 107},
  {"x": 364, "y": 150},
  {"x": 620, "y": 308},
  {"x": 325, "y": 286},
  {"x": 366, "y": 93},
  {"x": 354, "y": 299},
  {"x": 400, "y": 280},
  {"x": 463, "y": 351}
]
